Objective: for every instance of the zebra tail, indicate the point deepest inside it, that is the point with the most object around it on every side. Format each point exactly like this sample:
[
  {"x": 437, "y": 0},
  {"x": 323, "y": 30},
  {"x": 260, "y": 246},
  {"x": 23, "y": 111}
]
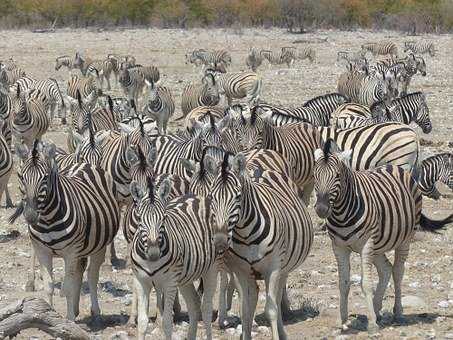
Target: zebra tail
[
  {"x": 432, "y": 226},
  {"x": 17, "y": 213}
]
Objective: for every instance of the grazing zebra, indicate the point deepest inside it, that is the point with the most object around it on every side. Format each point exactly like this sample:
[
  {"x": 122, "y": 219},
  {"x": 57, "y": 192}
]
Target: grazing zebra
[
  {"x": 207, "y": 58},
  {"x": 49, "y": 87},
  {"x": 437, "y": 168},
  {"x": 420, "y": 47},
  {"x": 65, "y": 61},
  {"x": 301, "y": 54},
  {"x": 277, "y": 57},
  {"x": 381, "y": 48},
  {"x": 253, "y": 59},
  {"x": 173, "y": 256},
  {"x": 86, "y": 86},
  {"x": 73, "y": 215},
  {"x": 256, "y": 218},
  {"x": 29, "y": 118},
  {"x": 204, "y": 94},
  {"x": 160, "y": 106},
  {"x": 6, "y": 167},
  {"x": 239, "y": 85},
  {"x": 370, "y": 212}
]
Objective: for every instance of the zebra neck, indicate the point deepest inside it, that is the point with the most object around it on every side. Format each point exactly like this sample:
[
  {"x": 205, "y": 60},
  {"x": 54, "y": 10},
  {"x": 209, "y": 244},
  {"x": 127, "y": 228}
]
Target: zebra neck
[
  {"x": 270, "y": 136},
  {"x": 156, "y": 104},
  {"x": 347, "y": 186},
  {"x": 52, "y": 204}
]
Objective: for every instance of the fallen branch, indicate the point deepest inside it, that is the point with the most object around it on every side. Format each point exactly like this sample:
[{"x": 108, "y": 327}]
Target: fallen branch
[{"x": 36, "y": 313}]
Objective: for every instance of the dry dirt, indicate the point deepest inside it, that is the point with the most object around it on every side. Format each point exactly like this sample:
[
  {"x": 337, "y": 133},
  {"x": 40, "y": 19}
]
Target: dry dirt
[{"x": 313, "y": 288}]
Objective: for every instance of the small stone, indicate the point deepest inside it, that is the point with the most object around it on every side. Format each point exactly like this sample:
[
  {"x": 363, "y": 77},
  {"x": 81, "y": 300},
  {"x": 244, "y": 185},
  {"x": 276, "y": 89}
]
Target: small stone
[
  {"x": 239, "y": 329},
  {"x": 122, "y": 335},
  {"x": 436, "y": 278},
  {"x": 355, "y": 279},
  {"x": 414, "y": 284},
  {"x": 413, "y": 301},
  {"x": 450, "y": 295},
  {"x": 443, "y": 304},
  {"x": 332, "y": 306},
  {"x": 263, "y": 329},
  {"x": 230, "y": 331},
  {"x": 342, "y": 337}
]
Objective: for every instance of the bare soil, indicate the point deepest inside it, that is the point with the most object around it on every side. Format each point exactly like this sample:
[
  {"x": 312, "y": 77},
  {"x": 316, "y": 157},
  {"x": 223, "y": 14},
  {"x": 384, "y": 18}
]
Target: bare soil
[{"x": 312, "y": 288}]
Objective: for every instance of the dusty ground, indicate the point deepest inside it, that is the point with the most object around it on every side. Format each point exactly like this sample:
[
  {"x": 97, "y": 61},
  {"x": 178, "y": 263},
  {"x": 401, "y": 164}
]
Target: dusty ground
[{"x": 313, "y": 289}]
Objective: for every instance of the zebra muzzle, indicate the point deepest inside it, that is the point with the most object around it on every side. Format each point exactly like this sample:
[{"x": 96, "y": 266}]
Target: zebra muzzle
[
  {"x": 31, "y": 215},
  {"x": 220, "y": 243},
  {"x": 153, "y": 253}
]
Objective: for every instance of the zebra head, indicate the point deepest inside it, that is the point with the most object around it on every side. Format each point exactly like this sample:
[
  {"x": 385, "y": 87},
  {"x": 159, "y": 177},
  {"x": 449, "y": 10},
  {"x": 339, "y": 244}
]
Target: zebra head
[
  {"x": 89, "y": 146},
  {"x": 142, "y": 135},
  {"x": 226, "y": 197},
  {"x": 18, "y": 106},
  {"x": 329, "y": 174},
  {"x": 199, "y": 178},
  {"x": 141, "y": 165},
  {"x": 210, "y": 88},
  {"x": 251, "y": 127},
  {"x": 36, "y": 175},
  {"x": 212, "y": 132},
  {"x": 421, "y": 114},
  {"x": 421, "y": 65},
  {"x": 150, "y": 240}
]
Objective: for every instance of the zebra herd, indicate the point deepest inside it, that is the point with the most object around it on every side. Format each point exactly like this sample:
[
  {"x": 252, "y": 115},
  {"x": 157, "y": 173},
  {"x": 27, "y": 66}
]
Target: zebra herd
[{"x": 229, "y": 194}]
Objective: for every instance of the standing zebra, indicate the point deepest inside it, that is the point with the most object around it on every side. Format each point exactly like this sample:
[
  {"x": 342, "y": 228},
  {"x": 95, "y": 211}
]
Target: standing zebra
[
  {"x": 437, "y": 168},
  {"x": 73, "y": 215},
  {"x": 264, "y": 231},
  {"x": 29, "y": 118},
  {"x": 277, "y": 57},
  {"x": 132, "y": 83},
  {"x": 370, "y": 212},
  {"x": 102, "y": 68},
  {"x": 5, "y": 116},
  {"x": 173, "y": 256},
  {"x": 10, "y": 76},
  {"x": 160, "y": 106},
  {"x": 254, "y": 59},
  {"x": 6, "y": 167},
  {"x": 49, "y": 87},
  {"x": 239, "y": 85},
  {"x": 204, "y": 94},
  {"x": 306, "y": 52},
  {"x": 65, "y": 61},
  {"x": 420, "y": 47},
  {"x": 207, "y": 58},
  {"x": 86, "y": 86},
  {"x": 381, "y": 48}
]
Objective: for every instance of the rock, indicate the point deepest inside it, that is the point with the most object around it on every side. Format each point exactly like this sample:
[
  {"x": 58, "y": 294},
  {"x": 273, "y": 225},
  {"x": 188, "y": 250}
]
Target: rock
[
  {"x": 126, "y": 300},
  {"x": 436, "y": 278},
  {"x": 443, "y": 304},
  {"x": 342, "y": 337},
  {"x": 122, "y": 335},
  {"x": 355, "y": 279},
  {"x": 414, "y": 284},
  {"x": 413, "y": 301},
  {"x": 263, "y": 329}
]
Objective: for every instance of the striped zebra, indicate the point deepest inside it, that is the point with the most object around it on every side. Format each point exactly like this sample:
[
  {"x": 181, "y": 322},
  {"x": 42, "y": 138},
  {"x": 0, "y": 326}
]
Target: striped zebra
[
  {"x": 437, "y": 168},
  {"x": 207, "y": 58},
  {"x": 356, "y": 58},
  {"x": 239, "y": 85},
  {"x": 204, "y": 94},
  {"x": 202, "y": 115},
  {"x": 420, "y": 47},
  {"x": 72, "y": 215},
  {"x": 254, "y": 59},
  {"x": 140, "y": 120},
  {"x": 160, "y": 106},
  {"x": 132, "y": 83},
  {"x": 86, "y": 86},
  {"x": 277, "y": 57},
  {"x": 255, "y": 218},
  {"x": 64, "y": 61},
  {"x": 5, "y": 115},
  {"x": 381, "y": 48},
  {"x": 10, "y": 76},
  {"x": 360, "y": 210},
  {"x": 303, "y": 114},
  {"x": 29, "y": 118},
  {"x": 407, "y": 109},
  {"x": 102, "y": 68},
  {"x": 294, "y": 54},
  {"x": 6, "y": 167},
  {"x": 49, "y": 87},
  {"x": 175, "y": 256},
  {"x": 325, "y": 105}
]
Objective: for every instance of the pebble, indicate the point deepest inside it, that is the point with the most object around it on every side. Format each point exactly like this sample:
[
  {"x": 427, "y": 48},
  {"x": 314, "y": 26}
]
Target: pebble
[
  {"x": 414, "y": 284},
  {"x": 413, "y": 301},
  {"x": 122, "y": 335},
  {"x": 443, "y": 304},
  {"x": 230, "y": 331},
  {"x": 263, "y": 329},
  {"x": 355, "y": 279}
]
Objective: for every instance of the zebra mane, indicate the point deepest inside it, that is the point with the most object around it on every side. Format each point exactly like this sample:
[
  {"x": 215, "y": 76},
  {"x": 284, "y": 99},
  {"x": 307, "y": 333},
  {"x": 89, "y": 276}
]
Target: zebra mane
[
  {"x": 141, "y": 157},
  {"x": 202, "y": 171},
  {"x": 253, "y": 115},
  {"x": 150, "y": 187},
  {"x": 326, "y": 150},
  {"x": 34, "y": 151}
]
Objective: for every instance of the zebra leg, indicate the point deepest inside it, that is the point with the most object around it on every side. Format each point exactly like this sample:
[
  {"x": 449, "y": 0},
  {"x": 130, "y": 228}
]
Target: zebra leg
[
  {"x": 45, "y": 260},
  {"x": 401, "y": 254},
  {"x": 177, "y": 307},
  {"x": 285, "y": 305},
  {"x": 72, "y": 285},
  {"x": 133, "y": 315},
  {"x": 96, "y": 261},
  {"x": 107, "y": 78},
  {"x": 232, "y": 284},
  {"x": 342, "y": 255},
  {"x": 308, "y": 189},
  {"x": 30, "y": 285},
  {"x": 223, "y": 314},
  {"x": 384, "y": 269},
  {"x": 271, "y": 309},
  {"x": 114, "y": 260},
  {"x": 191, "y": 301},
  {"x": 281, "y": 291},
  {"x": 367, "y": 258},
  {"x": 8, "y": 202},
  {"x": 210, "y": 280},
  {"x": 142, "y": 290},
  {"x": 249, "y": 297},
  {"x": 167, "y": 318}
]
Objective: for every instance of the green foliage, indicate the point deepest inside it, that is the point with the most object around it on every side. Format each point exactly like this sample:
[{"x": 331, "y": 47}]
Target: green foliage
[{"x": 298, "y": 15}]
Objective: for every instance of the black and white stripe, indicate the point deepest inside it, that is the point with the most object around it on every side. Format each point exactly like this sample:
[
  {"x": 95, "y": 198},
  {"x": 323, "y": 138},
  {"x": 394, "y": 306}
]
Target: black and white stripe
[
  {"x": 420, "y": 47},
  {"x": 239, "y": 85},
  {"x": 6, "y": 167},
  {"x": 381, "y": 48},
  {"x": 437, "y": 168},
  {"x": 160, "y": 106},
  {"x": 204, "y": 94}
]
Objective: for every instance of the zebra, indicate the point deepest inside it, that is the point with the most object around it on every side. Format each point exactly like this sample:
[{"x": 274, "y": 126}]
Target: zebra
[
  {"x": 150, "y": 74},
  {"x": 239, "y": 85},
  {"x": 254, "y": 59},
  {"x": 277, "y": 57},
  {"x": 148, "y": 124},
  {"x": 437, "y": 168},
  {"x": 160, "y": 106},
  {"x": 202, "y": 115},
  {"x": 306, "y": 52},
  {"x": 206, "y": 58},
  {"x": 360, "y": 210},
  {"x": 357, "y": 57},
  {"x": 132, "y": 83},
  {"x": 73, "y": 215},
  {"x": 102, "y": 68},
  {"x": 325, "y": 105},
  {"x": 86, "y": 86},
  {"x": 6, "y": 167},
  {"x": 175, "y": 256},
  {"x": 255, "y": 218},
  {"x": 49, "y": 87},
  {"x": 10, "y": 76},
  {"x": 303, "y": 114},
  {"x": 65, "y": 61},
  {"x": 420, "y": 47},
  {"x": 195, "y": 95},
  {"x": 381, "y": 48},
  {"x": 29, "y": 119},
  {"x": 5, "y": 115}
]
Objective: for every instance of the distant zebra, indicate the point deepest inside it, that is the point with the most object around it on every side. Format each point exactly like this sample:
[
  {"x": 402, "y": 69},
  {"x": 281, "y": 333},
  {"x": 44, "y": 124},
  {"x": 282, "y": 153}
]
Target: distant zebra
[
  {"x": 303, "y": 53},
  {"x": 202, "y": 114},
  {"x": 102, "y": 68},
  {"x": 72, "y": 215},
  {"x": 29, "y": 118},
  {"x": 420, "y": 47},
  {"x": 239, "y": 85},
  {"x": 160, "y": 106},
  {"x": 132, "y": 83},
  {"x": 10, "y": 76},
  {"x": 204, "y": 94},
  {"x": 381, "y": 48},
  {"x": 357, "y": 57},
  {"x": 5, "y": 115},
  {"x": 370, "y": 212},
  {"x": 65, "y": 61},
  {"x": 206, "y": 58},
  {"x": 86, "y": 86},
  {"x": 277, "y": 57},
  {"x": 254, "y": 59},
  {"x": 49, "y": 87},
  {"x": 6, "y": 167},
  {"x": 264, "y": 230},
  {"x": 437, "y": 168}
]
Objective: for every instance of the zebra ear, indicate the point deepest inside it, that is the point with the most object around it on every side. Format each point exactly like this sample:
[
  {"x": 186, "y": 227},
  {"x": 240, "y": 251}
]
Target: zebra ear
[
  {"x": 131, "y": 155},
  {"x": 50, "y": 151},
  {"x": 318, "y": 154},
  {"x": 126, "y": 128},
  {"x": 238, "y": 164},
  {"x": 164, "y": 189},
  {"x": 345, "y": 156},
  {"x": 22, "y": 151},
  {"x": 137, "y": 191},
  {"x": 190, "y": 165},
  {"x": 211, "y": 165},
  {"x": 266, "y": 115},
  {"x": 78, "y": 137}
]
